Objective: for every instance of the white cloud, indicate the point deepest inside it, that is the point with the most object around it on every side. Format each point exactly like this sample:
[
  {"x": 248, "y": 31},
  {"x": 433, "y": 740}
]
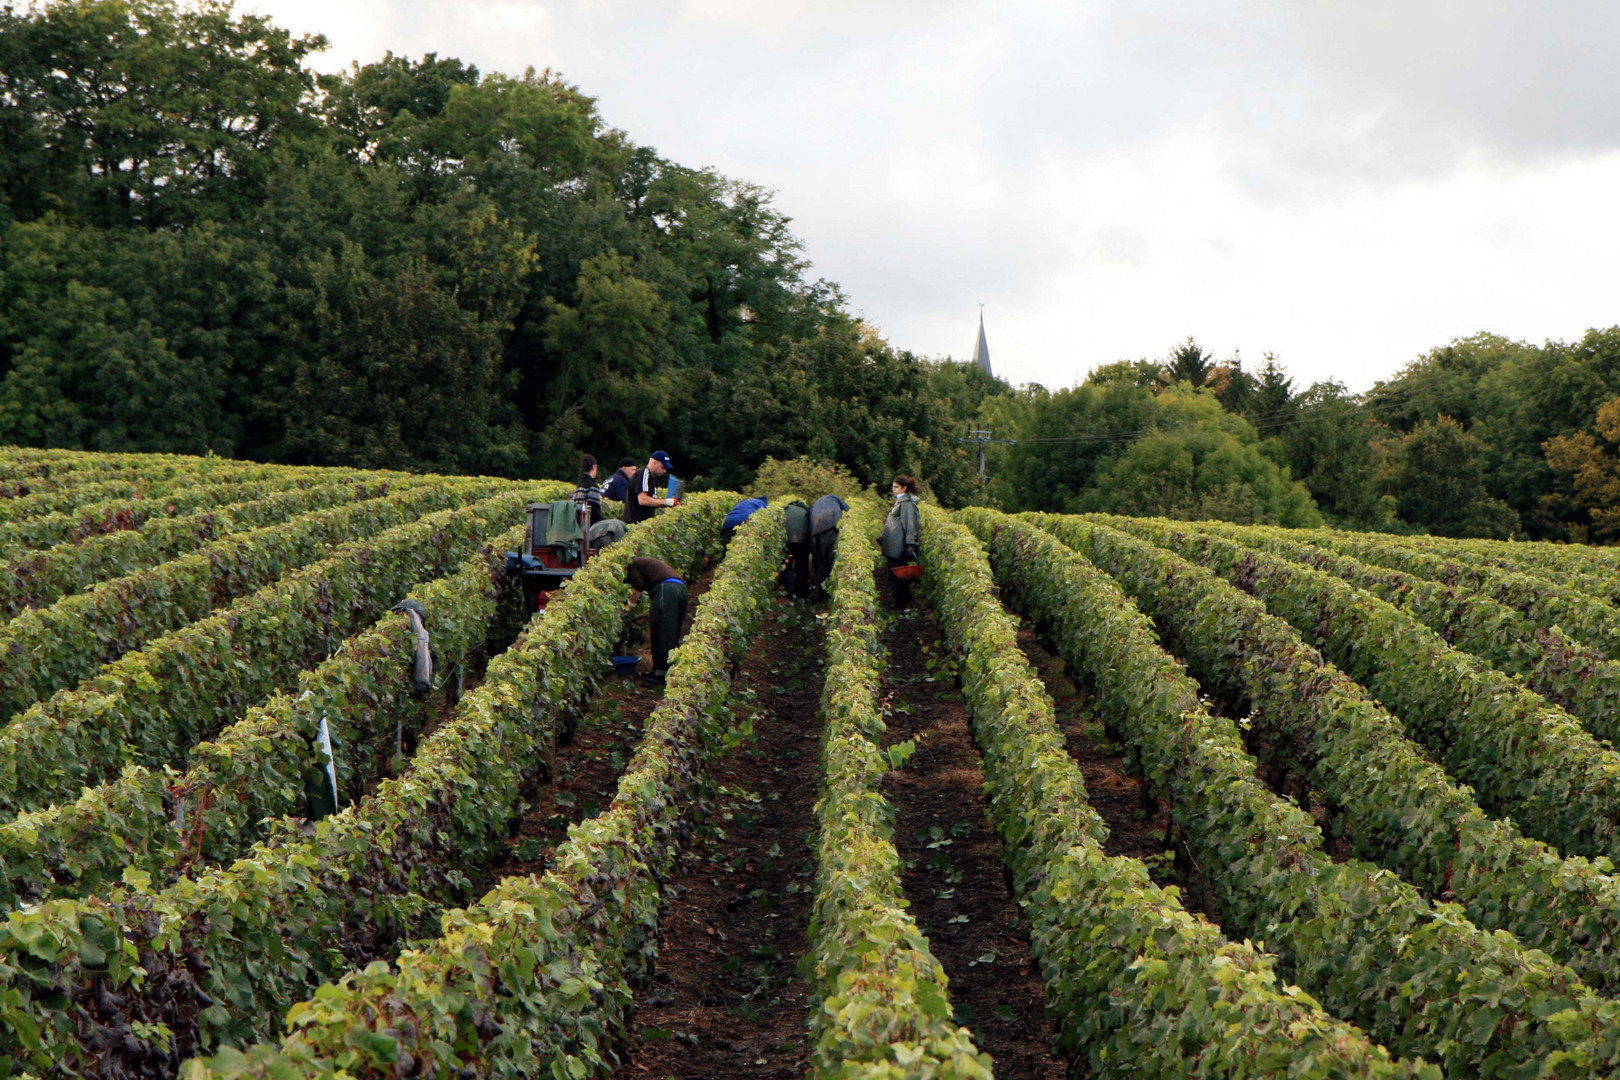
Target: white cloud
[
  {"x": 1344, "y": 183},
  {"x": 497, "y": 35}
]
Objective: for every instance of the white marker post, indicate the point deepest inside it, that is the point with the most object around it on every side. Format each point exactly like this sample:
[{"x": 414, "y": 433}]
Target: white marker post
[{"x": 324, "y": 740}]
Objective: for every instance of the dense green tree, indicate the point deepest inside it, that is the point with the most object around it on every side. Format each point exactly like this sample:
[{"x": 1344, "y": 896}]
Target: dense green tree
[
  {"x": 1115, "y": 444},
  {"x": 1140, "y": 373},
  {"x": 147, "y": 111},
  {"x": 1439, "y": 483},
  {"x": 407, "y": 379},
  {"x": 1065, "y": 435},
  {"x": 964, "y": 388},
  {"x": 1331, "y": 444},
  {"x": 1512, "y": 397},
  {"x": 1203, "y": 463},
  {"x": 1589, "y": 460},
  {"x": 1540, "y": 394},
  {"x": 1187, "y": 363},
  {"x": 117, "y": 341},
  {"x": 615, "y": 371},
  {"x": 94, "y": 376},
  {"x": 1447, "y": 381},
  {"x": 1232, "y": 386},
  {"x": 203, "y": 245},
  {"x": 840, "y": 397},
  {"x": 1270, "y": 402}
]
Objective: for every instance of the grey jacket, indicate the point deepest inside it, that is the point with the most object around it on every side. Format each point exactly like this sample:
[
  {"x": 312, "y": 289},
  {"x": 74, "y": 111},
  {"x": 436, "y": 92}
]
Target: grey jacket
[
  {"x": 902, "y": 529},
  {"x": 825, "y": 514}
]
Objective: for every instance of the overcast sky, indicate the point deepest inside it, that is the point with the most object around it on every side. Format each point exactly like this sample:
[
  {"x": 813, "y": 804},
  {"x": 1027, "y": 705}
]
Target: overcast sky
[{"x": 1344, "y": 183}]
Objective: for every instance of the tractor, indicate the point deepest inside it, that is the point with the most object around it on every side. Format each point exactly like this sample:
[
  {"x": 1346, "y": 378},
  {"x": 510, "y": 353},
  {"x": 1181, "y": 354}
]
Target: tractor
[{"x": 556, "y": 545}]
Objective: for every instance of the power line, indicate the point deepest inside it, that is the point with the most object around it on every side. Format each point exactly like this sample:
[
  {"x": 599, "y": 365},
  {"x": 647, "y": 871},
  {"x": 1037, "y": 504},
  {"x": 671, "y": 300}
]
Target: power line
[
  {"x": 1270, "y": 421},
  {"x": 1131, "y": 436}
]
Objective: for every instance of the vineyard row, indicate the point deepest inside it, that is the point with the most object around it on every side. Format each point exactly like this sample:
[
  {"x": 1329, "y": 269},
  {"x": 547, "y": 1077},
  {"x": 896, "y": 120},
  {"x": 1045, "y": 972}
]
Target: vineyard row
[
  {"x": 535, "y": 979},
  {"x": 1522, "y": 755},
  {"x": 217, "y": 959},
  {"x": 1386, "y": 801},
  {"x": 1356, "y": 937},
  {"x": 1125, "y": 964}
]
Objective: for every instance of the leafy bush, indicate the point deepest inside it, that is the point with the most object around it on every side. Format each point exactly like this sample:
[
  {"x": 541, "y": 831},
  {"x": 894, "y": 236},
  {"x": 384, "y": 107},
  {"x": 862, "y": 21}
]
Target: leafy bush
[{"x": 805, "y": 478}]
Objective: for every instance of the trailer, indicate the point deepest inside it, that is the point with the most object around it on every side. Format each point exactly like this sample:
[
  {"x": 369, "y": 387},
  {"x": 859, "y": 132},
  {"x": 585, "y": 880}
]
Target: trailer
[{"x": 554, "y": 550}]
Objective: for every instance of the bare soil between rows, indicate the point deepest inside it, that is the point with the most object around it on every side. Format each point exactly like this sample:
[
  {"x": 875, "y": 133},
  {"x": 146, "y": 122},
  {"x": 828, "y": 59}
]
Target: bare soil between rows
[
  {"x": 954, "y": 877},
  {"x": 1137, "y": 823},
  {"x": 589, "y": 759},
  {"x": 726, "y": 1000}
]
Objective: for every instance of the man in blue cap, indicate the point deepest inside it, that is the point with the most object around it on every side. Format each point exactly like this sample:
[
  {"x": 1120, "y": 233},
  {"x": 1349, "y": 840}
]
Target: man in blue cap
[{"x": 642, "y": 503}]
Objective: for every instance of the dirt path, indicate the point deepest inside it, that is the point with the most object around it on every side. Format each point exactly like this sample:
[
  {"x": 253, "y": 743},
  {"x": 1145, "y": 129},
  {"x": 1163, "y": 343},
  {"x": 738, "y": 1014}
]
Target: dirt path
[
  {"x": 726, "y": 1000},
  {"x": 954, "y": 877},
  {"x": 1137, "y": 825},
  {"x": 588, "y": 763}
]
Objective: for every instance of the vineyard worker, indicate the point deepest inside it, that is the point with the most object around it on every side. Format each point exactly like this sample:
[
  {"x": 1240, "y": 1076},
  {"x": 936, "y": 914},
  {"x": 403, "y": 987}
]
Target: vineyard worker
[
  {"x": 825, "y": 513},
  {"x": 738, "y": 514},
  {"x": 902, "y": 534},
  {"x": 666, "y": 607},
  {"x": 642, "y": 503},
  {"x": 795, "y": 577},
  {"x": 617, "y": 486},
  {"x": 587, "y": 496}
]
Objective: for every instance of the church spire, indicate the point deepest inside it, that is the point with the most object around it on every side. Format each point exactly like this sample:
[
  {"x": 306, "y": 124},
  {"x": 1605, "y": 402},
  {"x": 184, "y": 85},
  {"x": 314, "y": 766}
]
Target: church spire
[{"x": 981, "y": 348}]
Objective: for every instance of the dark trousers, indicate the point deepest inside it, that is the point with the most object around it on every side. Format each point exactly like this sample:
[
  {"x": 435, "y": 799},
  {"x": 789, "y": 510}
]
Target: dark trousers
[
  {"x": 796, "y": 574},
  {"x": 666, "y": 609},
  {"x": 823, "y": 548},
  {"x": 902, "y": 589}
]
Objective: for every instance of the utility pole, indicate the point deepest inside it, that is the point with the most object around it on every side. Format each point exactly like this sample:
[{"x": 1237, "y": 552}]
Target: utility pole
[{"x": 982, "y": 437}]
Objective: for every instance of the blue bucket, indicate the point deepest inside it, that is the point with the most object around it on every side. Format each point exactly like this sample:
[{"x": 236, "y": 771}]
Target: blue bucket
[{"x": 625, "y": 665}]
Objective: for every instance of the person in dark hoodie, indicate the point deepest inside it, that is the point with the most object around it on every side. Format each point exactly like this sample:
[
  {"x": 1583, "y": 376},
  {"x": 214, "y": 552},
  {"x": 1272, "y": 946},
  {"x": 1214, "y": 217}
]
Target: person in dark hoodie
[
  {"x": 795, "y": 576},
  {"x": 617, "y": 486},
  {"x": 825, "y": 513}
]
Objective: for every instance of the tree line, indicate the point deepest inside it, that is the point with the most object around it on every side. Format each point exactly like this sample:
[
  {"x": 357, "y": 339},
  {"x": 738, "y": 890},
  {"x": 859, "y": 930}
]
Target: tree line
[
  {"x": 206, "y": 246},
  {"x": 1483, "y": 437}
]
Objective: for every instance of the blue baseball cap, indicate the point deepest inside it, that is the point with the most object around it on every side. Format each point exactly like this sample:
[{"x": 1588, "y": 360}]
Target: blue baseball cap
[{"x": 661, "y": 457}]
